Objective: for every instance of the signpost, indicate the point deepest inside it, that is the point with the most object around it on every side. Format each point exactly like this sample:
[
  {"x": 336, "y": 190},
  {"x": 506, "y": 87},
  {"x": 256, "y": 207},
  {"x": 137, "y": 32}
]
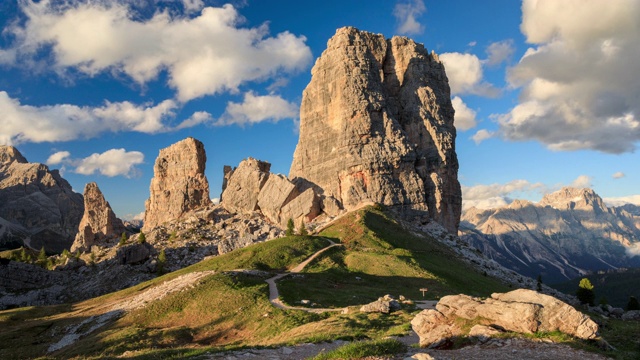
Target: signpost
[{"x": 424, "y": 290}]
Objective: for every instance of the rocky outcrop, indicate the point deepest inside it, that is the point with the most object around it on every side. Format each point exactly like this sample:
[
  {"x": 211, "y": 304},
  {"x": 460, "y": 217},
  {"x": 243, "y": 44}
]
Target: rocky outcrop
[
  {"x": 99, "y": 224},
  {"x": 567, "y": 234},
  {"x": 38, "y": 208},
  {"x": 523, "y": 311},
  {"x": 251, "y": 187},
  {"x": 178, "y": 185},
  {"x": 376, "y": 125}
]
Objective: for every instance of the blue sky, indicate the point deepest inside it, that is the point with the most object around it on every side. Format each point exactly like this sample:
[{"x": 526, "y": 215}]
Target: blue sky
[{"x": 547, "y": 93}]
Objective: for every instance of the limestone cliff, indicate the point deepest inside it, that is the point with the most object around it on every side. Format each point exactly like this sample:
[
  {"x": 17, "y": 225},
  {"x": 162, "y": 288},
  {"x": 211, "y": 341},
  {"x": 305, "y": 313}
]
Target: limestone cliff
[
  {"x": 98, "y": 223},
  {"x": 179, "y": 184},
  {"x": 37, "y": 206},
  {"x": 376, "y": 125}
]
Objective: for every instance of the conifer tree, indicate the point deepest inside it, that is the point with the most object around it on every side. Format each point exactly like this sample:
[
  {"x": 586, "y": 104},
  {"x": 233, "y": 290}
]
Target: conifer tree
[
  {"x": 123, "y": 239},
  {"x": 142, "y": 238},
  {"x": 162, "y": 259},
  {"x": 539, "y": 283},
  {"x": 633, "y": 303},
  {"x": 303, "y": 229},
  {"x": 42, "y": 257},
  {"x": 585, "y": 292},
  {"x": 290, "y": 228}
]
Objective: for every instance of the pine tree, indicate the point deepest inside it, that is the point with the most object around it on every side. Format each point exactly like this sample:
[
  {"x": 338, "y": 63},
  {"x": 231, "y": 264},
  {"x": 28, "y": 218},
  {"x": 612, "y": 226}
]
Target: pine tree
[
  {"x": 42, "y": 257},
  {"x": 142, "y": 238},
  {"x": 585, "y": 292},
  {"x": 123, "y": 239},
  {"x": 23, "y": 255},
  {"x": 303, "y": 229},
  {"x": 539, "y": 283},
  {"x": 633, "y": 303},
  {"x": 290, "y": 228},
  {"x": 162, "y": 259}
]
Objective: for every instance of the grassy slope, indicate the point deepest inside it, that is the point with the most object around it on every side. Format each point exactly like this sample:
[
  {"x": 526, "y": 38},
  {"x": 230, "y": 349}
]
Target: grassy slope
[
  {"x": 231, "y": 310},
  {"x": 615, "y": 287}
]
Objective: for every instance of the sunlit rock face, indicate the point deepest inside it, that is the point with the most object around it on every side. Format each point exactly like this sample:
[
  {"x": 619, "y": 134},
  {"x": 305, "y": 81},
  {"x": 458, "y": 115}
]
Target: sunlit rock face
[
  {"x": 376, "y": 125},
  {"x": 565, "y": 235},
  {"x": 178, "y": 185},
  {"x": 38, "y": 208}
]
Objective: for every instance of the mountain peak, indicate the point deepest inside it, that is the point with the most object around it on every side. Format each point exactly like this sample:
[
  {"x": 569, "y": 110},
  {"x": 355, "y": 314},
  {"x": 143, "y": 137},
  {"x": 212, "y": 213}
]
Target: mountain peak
[
  {"x": 570, "y": 198},
  {"x": 9, "y": 154}
]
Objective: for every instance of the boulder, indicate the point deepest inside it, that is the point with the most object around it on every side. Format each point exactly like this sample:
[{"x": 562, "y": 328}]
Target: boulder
[
  {"x": 99, "y": 223},
  {"x": 631, "y": 315},
  {"x": 521, "y": 310},
  {"x": 376, "y": 125},
  {"x": 134, "y": 254},
  {"x": 178, "y": 185},
  {"x": 244, "y": 185}
]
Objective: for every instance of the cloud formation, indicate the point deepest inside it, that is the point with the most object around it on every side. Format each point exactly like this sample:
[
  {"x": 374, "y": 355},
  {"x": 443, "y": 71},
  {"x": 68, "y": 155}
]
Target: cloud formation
[
  {"x": 64, "y": 122},
  {"x": 466, "y": 76},
  {"x": 58, "y": 157},
  {"x": 498, "y": 52},
  {"x": 482, "y": 135},
  {"x": 618, "y": 175},
  {"x": 406, "y": 14},
  {"x": 580, "y": 79},
  {"x": 110, "y": 163},
  {"x": 465, "y": 117},
  {"x": 203, "y": 55},
  {"x": 258, "y": 108}
]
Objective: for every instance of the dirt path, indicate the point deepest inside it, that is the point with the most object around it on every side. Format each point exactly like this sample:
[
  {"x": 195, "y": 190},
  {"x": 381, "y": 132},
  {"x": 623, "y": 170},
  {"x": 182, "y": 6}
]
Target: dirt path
[{"x": 273, "y": 288}]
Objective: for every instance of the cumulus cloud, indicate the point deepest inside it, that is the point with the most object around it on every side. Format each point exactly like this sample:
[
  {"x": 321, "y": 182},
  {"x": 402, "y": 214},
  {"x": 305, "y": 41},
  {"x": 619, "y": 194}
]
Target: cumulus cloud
[
  {"x": 618, "y": 175},
  {"x": 465, "y": 117},
  {"x": 580, "y": 78},
  {"x": 258, "y": 108},
  {"x": 582, "y": 181},
  {"x": 496, "y": 195},
  {"x": 619, "y": 201},
  {"x": 110, "y": 163},
  {"x": 498, "y": 52},
  {"x": 406, "y": 14},
  {"x": 205, "y": 54},
  {"x": 64, "y": 122},
  {"x": 466, "y": 76},
  {"x": 482, "y": 135},
  {"x": 58, "y": 157}
]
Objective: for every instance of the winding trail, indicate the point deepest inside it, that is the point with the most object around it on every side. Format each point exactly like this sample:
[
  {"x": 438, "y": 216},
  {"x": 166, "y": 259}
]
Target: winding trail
[{"x": 273, "y": 288}]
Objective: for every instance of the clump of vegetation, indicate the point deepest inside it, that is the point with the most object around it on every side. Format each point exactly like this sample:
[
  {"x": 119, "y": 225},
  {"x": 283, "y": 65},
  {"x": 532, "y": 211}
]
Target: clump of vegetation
[
  {"x": 633, "y": 303},
  {"x": 173, "y": 236},
  {"x": 539, "y": 284},
  {"x": 162, "y": 260},
  {"x": 303, "y": 229},
  {"x": 142, "y": 238},
  {"x": 123, "y": 240},
  {"x": 363, "y": 349},
  {"x": 585, "y": 292},
  {"x": 290, "y": 228}
]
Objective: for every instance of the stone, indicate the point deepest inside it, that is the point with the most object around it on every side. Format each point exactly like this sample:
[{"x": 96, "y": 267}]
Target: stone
[
  {"x": 420, "y": 356},
  {"x": 276, "y": 192},
  {"x": 302, "y": 208},
  {"x": 38, "y": 208},
  {"x": 631, "y": 315},
  {"x": 521, "y": 310},
  {"x": 483, "y": 332},
  {"x": 134, "y": 254},
  {"x": 376, "y": 125},
  {"x": 179, "y": 184},
  {"x": 383, "y": 305},
  {"x": 99, "y": 223},
  {"x": 244, "y": 185}
]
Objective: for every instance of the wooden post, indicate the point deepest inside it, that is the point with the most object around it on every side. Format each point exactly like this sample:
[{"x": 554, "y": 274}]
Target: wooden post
[{"x": 424, "y": 290}]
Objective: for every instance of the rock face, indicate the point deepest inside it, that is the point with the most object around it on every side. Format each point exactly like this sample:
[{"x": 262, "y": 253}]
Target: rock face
[
  {"x": 37, "y": 206},
  {"x": 376, "y": 125},
  {"x": 521, "y": 310},
  {"x": 251, "y": 187},
  {"x": 98, "y": 223},
  {"x": 179, "y": 184},
  {"x": 565, "y": 235}
]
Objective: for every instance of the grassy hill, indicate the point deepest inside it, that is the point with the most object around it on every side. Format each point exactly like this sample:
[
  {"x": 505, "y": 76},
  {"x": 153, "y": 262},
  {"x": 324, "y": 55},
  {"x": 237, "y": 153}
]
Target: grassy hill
[
  {"x": 616, "y": 287},
  {"x": 230, "y": 309}
]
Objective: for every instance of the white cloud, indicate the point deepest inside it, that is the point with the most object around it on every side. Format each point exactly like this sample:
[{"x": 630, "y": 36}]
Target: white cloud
[
  {"x": 193, "y": 5},
  {"x": 465, "y": 117},
  {"x": 619, "y": 201},
  {"x": 110, "y": 163},
  {"x": 579, "y": 79},
  {"x": 256, "y": 108},
  {"x": 199, "y": 117},
  {"x": 465, "y": 75},
  {"x": 499, "y": 52},
  {"x": 618, "y": 175},
  {"x": 406, "y": 14},
  {"x": 203, "y": 55},
  {"x": 64, "y": 122},
  {"x": 58, "y": 157},
  {"x": 496, "y": 195},
  {"x": 482, "y": 135},
  {"x": 582, "y": 181}
]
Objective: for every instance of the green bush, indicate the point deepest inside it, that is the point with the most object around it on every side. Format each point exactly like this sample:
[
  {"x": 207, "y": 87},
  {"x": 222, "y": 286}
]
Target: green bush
[{"x": 142, "y": 238}]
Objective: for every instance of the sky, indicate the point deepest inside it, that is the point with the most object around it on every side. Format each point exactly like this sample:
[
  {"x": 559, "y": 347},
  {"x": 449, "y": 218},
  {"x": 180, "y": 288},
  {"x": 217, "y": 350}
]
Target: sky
[{"x": 546, "y": 92}]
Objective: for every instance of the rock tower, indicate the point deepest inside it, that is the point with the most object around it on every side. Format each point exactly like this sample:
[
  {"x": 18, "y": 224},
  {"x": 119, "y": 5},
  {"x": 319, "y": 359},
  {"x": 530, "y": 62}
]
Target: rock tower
[
  {"x": 179, "y": 184},
  {"x": 376, "y": 125},
  {"x": 99, "y": 223}
]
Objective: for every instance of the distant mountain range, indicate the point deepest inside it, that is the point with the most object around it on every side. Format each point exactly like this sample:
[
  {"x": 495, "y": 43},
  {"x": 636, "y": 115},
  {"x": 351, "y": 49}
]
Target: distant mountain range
[{"x": 567, "y": 234}]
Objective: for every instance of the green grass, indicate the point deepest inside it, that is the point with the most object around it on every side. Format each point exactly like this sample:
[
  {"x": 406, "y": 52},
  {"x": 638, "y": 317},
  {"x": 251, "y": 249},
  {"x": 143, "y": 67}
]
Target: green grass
[{"x": 358, "y": 350}]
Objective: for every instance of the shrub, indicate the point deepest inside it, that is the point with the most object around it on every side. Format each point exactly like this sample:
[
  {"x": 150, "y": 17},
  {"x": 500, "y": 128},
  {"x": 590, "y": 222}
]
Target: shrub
[
  {"x": 539, "y": 284},
  {"x": 585, "y": 292},
  {"x": 162, "y": 260},
  {"x": 633, "y": 303},
  {"x": 290, "y": 228},
  {"x": 123, "y": 239},
  {"x": 142, "y": 238},
  {"x": 303, "y": 229}
]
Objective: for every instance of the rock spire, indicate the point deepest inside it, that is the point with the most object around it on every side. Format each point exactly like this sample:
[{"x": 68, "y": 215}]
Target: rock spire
[
  {"x": 179, "y": 184},
  {"x": 376, "y": 125},
  {"x": 99, "y": 223}
]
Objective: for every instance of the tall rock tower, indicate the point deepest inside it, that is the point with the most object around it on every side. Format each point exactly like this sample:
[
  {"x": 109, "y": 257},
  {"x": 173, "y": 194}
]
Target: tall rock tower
[
  {"x": 376, "y": 125},
  {"x": 179, "y": 184}
]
